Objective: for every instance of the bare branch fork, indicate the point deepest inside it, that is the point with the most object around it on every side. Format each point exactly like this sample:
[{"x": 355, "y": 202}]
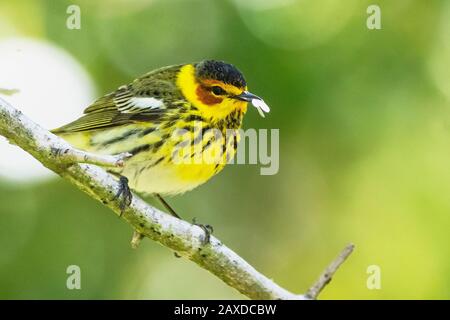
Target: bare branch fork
[{"x": 180, "y": 236}]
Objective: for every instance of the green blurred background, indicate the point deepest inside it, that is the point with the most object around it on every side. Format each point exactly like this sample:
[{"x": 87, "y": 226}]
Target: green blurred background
[{"x": 364, "y": 123}]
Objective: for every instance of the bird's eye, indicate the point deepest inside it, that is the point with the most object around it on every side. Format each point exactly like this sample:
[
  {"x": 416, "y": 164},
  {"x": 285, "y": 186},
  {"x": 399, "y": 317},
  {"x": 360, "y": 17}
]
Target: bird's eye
[{"x": 218, "y": 90}]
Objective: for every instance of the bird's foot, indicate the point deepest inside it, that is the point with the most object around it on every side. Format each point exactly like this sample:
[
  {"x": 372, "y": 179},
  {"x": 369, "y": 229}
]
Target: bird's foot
[
  {"x": 208, "y": 229},
  {"x": 124, "y": 194}
]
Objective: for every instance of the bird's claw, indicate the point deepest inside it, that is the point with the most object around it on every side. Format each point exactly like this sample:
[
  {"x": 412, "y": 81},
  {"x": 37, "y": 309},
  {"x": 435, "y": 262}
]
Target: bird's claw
[
  {"x": 124, "y": 193},
  {"x": 208, "y": 229}
]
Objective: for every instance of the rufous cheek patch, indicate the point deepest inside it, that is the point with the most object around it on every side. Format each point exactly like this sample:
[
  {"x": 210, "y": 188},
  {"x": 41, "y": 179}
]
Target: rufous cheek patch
[{"x": 207, "y": 97}]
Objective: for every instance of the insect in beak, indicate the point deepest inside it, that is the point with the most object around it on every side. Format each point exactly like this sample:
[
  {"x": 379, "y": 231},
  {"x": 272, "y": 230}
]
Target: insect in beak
[{"x": 256, "y": 101}]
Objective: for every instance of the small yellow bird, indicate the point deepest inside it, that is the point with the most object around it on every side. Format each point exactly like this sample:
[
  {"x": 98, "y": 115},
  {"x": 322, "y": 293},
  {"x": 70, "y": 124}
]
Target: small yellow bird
[{"x": 179, "y": 123}]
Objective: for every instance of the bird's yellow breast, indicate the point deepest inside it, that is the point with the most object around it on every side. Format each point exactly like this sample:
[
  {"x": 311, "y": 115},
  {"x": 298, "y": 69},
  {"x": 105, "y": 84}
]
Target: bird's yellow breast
[{"x": 171, "y": 166}]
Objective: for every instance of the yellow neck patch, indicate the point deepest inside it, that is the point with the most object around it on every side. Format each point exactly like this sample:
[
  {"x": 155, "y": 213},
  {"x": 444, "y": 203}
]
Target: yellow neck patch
[{"x": 188, "y": 85}]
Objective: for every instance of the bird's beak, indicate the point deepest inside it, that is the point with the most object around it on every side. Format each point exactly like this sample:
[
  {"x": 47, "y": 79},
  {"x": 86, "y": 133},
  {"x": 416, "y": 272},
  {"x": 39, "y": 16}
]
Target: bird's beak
[
  {"x": 256, "y": 101},
  {"x": 247, "y": 96}
]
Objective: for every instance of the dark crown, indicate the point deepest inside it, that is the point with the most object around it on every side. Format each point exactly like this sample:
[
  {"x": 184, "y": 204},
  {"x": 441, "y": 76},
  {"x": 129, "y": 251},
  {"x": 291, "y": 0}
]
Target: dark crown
[{"x": 222, "y": 71}]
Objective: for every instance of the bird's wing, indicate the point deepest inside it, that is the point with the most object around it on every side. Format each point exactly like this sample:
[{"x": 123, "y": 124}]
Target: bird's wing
[{"x": 146, "y": 99}]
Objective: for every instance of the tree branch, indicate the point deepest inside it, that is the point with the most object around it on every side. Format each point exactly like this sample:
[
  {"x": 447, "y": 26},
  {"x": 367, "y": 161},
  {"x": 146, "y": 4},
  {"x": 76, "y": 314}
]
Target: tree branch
[
  {"x": 329, "y": 272},
  {"x": 70, "y": 156},
  {"x": 178, "y": 235}
]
